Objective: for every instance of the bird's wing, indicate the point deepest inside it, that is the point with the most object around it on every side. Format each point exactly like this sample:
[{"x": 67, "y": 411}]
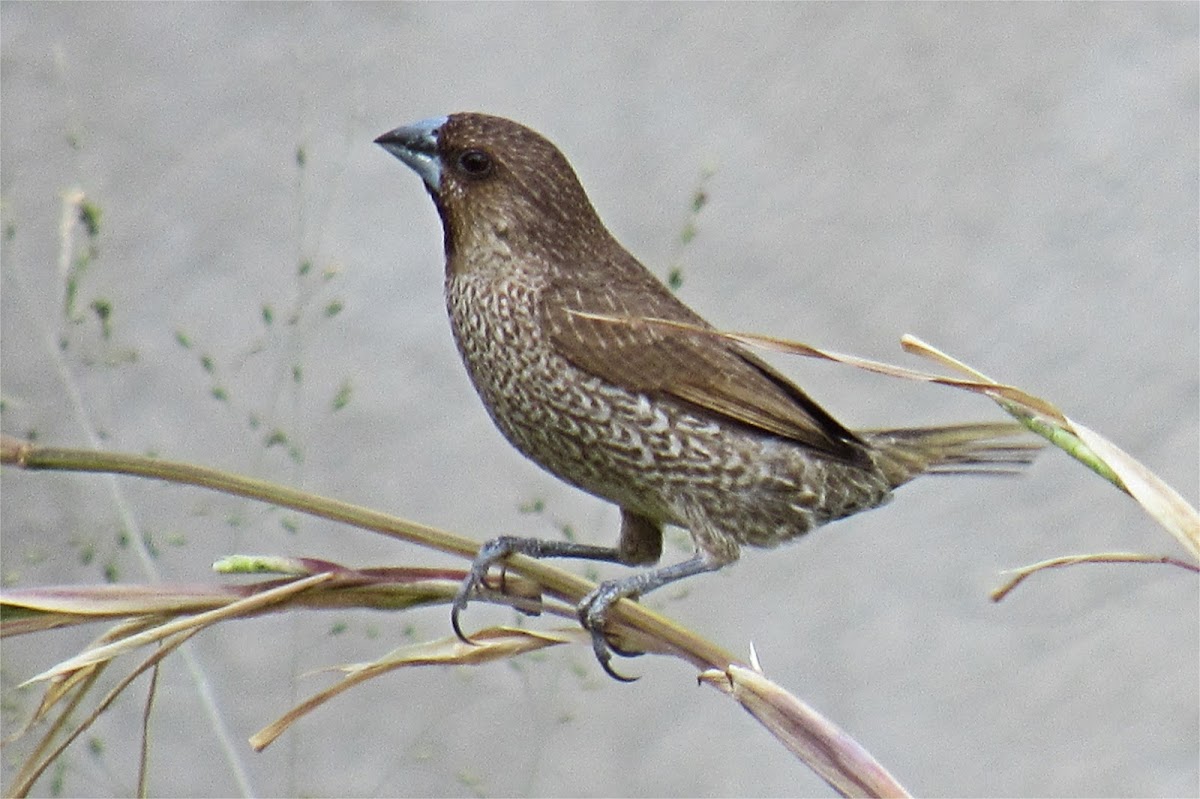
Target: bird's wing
[{"x": 715, "y": 375}]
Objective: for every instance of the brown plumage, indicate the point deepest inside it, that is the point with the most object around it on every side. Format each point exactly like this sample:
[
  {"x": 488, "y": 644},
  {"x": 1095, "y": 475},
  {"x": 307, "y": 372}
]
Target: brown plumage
[{"x": 672, "y": 426}]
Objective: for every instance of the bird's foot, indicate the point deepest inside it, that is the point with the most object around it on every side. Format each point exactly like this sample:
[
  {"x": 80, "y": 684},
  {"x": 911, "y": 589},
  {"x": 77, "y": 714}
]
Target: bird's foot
[
  {"x": 498, "y": 549},
  {"x": 593, "y": 611},
  {"x": 475, "y": 583}
]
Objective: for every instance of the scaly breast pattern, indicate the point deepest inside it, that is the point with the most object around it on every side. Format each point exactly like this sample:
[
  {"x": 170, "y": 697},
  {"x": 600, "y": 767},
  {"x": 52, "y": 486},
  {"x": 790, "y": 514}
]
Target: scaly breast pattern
[{"x": 652, "y": 455}]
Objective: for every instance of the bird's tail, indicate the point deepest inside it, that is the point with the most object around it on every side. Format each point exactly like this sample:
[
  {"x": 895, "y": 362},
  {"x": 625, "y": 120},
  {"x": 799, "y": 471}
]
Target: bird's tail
[{"x": 987, "y": 448}]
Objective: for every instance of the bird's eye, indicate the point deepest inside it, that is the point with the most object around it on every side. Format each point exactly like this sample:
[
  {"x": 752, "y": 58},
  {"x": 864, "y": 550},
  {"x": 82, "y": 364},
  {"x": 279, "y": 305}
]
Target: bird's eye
[{"x": 476, "y": 163}]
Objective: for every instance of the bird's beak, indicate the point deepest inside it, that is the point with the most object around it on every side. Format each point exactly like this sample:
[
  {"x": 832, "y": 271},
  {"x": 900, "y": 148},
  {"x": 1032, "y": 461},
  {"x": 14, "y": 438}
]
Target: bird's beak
[{"x": 416, "y": 145}]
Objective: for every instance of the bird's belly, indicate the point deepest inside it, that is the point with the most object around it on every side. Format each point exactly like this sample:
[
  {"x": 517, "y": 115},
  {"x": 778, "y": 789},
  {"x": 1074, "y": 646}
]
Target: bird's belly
[{"x": 650, "y": 454}]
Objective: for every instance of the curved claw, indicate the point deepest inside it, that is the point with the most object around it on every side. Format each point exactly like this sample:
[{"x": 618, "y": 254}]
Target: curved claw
[
  {"x": 592, "y": 612},
  {"x": 491, "y": 552},
  {"x": 604, "y": 652},
  {"x": 460, "y": 604}
]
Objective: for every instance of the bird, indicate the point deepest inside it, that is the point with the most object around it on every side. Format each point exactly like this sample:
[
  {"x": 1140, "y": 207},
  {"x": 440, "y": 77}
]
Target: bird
[{"x": 596, "y": 371}]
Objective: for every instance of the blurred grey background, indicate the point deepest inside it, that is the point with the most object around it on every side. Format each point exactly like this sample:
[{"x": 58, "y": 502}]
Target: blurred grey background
[{"x": 1015, "y": 183}]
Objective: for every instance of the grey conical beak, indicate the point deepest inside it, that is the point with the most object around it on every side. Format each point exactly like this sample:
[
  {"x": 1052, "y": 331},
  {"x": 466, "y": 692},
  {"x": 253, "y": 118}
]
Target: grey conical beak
[{"x": 416, "y": 145}]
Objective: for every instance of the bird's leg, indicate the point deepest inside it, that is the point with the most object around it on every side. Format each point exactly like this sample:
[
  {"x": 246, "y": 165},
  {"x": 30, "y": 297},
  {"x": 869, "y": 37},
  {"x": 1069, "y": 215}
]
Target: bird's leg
[
  {"x": 641, "y": 540},
  {"x": 500, "y": 548},
  {"x": 593, "y": 608},
  {"x": 641, "y": 543}
]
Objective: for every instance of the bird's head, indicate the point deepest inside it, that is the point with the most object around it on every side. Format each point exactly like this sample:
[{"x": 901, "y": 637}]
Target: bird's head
[{"x": 498, "y": 186}]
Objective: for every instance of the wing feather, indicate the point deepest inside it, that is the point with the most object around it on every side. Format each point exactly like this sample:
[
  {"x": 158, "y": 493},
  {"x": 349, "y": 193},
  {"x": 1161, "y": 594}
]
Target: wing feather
[{"x": 720, "y": 378}]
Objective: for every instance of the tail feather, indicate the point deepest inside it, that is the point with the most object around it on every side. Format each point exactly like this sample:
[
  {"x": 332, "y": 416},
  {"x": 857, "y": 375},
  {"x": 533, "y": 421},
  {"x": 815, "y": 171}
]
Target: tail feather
[{"x": 986, "y": 448}]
